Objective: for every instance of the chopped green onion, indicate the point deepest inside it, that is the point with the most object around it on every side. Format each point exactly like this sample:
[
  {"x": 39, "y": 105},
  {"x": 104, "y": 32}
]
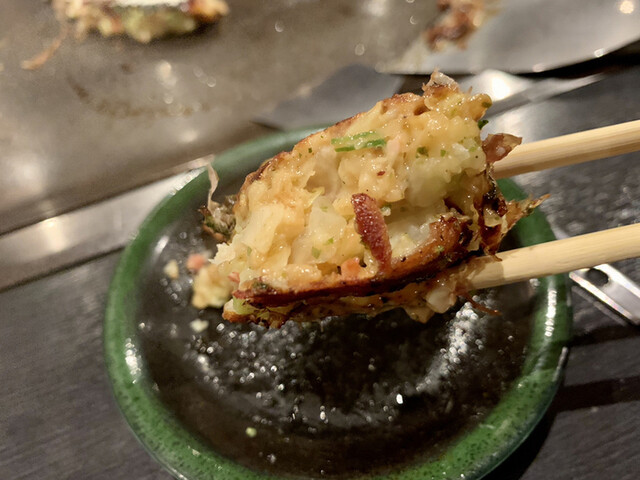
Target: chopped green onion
[
  {"x": 310, "y": 150},
  {"x": 241, "y": 307},
  {"x": 249, "y": 250},
  {"x": 381, "y": 142},
  {"x": 351, "y": 138},
  {"x": 357, "y": 142},
  {"x": 258, "y": 285},
  {"x": 423, "y": 151},
  {"x": 330, "y": 241},
  {"x": 439, "y": 249},
  {"x": 486, "y": 104},
  {"x": 443, "y": 152},
  {"x": 482, "y": 123},
  {"x": 315, "y": 252},
  {"x": 345, "y": 149},
  {"x": 324, "y": 209}
]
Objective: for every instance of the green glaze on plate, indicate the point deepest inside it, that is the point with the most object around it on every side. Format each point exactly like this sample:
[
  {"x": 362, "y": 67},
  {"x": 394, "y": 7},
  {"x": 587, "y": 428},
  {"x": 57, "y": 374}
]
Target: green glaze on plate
[{"x": 186, "y": 455}]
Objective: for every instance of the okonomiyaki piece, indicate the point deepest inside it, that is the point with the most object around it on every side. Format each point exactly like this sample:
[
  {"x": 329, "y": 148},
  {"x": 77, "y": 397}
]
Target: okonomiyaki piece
[
  {"x": 143, "y": 20},
  {"x": 387, "y": 198}
]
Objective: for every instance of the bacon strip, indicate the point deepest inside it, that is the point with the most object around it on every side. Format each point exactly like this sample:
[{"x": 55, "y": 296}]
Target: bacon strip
[
  {"x": 498, "y": 146},
  {"x": 371, "y": 227}
]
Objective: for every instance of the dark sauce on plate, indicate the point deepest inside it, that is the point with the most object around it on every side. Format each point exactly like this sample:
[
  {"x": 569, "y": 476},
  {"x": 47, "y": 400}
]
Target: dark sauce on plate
[{"x": 339, "y": 398}]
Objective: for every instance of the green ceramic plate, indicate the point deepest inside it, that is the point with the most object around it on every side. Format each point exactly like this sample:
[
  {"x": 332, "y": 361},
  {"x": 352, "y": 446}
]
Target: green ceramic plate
[{"x": 355, "y": 398}]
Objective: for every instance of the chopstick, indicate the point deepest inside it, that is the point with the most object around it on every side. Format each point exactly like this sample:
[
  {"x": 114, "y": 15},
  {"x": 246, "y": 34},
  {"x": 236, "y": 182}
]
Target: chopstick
[
  {"x": 560, "y": 256},
  {"x": 571, "y": 149}
]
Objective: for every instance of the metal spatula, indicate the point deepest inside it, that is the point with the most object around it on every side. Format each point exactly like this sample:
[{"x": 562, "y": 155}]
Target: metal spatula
[
  {"x": 356, "y": 88},
  {"x": 532, "y": 36},
  {"x": 350, "y": 90}
]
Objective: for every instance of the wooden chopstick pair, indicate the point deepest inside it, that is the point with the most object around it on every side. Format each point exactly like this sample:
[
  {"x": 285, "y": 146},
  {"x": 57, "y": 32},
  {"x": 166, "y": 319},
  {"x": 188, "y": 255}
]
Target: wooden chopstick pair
[{"x": 561, "y": 256}]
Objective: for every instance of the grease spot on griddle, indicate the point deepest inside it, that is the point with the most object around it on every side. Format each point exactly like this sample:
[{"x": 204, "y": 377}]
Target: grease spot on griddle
[{"x": 117, "y": 108}]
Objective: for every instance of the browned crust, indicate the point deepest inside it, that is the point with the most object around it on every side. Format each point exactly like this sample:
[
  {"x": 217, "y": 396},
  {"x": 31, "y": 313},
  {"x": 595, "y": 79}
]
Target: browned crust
[
  {"x": 449, "y": 243},
  {"x": 513, "y": 211},
  {"x": 411, "y": 294},
  {"x": 373, "y": 303},
  {"x": 498, "y": 146}
]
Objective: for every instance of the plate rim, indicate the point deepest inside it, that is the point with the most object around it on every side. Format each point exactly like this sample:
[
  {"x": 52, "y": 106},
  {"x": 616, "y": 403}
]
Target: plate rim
[{"x": 186, "y": 456}]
